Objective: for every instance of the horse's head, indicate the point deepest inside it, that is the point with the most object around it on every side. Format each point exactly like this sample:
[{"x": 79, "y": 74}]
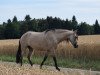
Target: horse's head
[{"x": 73, "y": 37}]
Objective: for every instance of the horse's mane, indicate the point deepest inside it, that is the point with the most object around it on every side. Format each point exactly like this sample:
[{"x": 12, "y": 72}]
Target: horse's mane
[
  {"x": 49, "y": 30},
  {"x": 57, "y": 30}
]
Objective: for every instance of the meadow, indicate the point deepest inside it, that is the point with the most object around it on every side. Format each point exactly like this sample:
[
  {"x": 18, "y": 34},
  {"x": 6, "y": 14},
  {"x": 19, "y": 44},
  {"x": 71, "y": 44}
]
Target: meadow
[
  {"x": 86, "y": 56},
  {"x": 89, "y": 47}
]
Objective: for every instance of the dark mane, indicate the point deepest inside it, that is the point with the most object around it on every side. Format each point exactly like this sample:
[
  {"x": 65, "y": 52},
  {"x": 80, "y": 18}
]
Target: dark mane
[{"x": 49, "y": 30}]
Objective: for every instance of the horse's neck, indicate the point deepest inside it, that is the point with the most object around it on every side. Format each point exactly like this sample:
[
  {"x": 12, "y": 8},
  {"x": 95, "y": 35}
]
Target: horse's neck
[{"x": 61, "y": 36}]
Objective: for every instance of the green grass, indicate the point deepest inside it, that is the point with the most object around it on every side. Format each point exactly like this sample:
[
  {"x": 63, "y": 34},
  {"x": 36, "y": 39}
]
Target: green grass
[{"x": 62, "y": 62}]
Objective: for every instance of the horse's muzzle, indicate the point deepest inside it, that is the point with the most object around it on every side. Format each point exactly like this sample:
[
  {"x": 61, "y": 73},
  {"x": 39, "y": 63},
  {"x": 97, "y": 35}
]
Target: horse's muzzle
[{"x": 75, "y": 46}]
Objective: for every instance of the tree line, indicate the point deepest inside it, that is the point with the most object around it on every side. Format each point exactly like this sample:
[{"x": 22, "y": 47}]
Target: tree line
[{"x": 14, "y": 29}]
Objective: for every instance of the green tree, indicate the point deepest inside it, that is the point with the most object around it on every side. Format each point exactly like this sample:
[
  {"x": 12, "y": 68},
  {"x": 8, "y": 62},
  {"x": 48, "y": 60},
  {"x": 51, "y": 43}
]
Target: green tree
[
  {"x": 29, "y": 23},
  {"x": 57, "y": 23},
  {"x": 74, "y": 23},
  {"x": 25, "y": 25},
  {"x": 23, "y": 28},
  {"x": 16, "y": 27},
  {"x": 15, "y": 19},
  {"x": 96, "y": 27},
  {"x": 84, "y": 29},
  {"x": 9, "y": 30},
  {"x": 68, "y": 25},
  {"x": 50, "y": 22},
  {"x": 34, "y": 25},
  {"x": 12, "y": 29},
  {"x": 2, "y": 28},
  {"x": 54, "y": 23},
  {"x": 27, "y": 18},
  {"x": 42, "y": 25}
]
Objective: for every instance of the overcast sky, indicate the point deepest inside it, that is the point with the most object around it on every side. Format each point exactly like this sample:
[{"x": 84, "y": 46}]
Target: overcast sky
[{"x": 84, "y": 10}]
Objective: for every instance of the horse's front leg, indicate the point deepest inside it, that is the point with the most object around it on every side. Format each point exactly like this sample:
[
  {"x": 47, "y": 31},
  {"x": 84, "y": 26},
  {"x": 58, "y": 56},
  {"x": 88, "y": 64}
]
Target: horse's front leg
[
  {"x": 45, "y": 57},
  {"x": 55, "y": 61},
  {"x": 54, "y": 58}
]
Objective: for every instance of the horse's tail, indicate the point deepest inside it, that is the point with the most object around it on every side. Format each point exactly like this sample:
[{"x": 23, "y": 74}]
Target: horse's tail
[{"x": 19, "y": 54}]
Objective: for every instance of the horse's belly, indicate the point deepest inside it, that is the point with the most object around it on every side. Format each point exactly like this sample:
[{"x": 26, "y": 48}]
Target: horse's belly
[
  {"x": 39, "y": 43},
  {"x": 39, "y": 46}
]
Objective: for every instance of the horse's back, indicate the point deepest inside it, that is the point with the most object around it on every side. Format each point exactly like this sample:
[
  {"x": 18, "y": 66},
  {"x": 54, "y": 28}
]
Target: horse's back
[
  {"x": 31, "y": 35},
  {"x": 33, "y": 39}
]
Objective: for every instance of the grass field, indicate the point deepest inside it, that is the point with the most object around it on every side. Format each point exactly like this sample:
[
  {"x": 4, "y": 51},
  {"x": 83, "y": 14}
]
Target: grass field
[
  {"x": 89, "y": 48},
  {"x": 86, "y": 56}
]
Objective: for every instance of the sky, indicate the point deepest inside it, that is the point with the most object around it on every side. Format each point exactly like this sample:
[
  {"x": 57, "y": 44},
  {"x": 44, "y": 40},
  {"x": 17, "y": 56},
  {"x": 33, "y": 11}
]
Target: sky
[{"x": 84, "y": 10}]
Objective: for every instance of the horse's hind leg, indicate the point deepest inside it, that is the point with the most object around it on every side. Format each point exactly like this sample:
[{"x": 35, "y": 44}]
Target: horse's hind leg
[
  {"x": 21, "y": 60},
  {"x": 29, "y": 55}
]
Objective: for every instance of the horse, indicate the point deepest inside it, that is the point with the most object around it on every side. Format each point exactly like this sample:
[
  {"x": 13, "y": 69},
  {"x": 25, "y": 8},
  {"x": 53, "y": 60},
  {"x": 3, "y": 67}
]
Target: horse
[{"x": 46, "y": 41}]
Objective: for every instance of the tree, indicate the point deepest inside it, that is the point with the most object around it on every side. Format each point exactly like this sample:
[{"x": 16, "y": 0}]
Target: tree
[
  {"x": 74, "y": 23},
  {"x": 68, "y": 25},
  {"x": 23, "y": 28},
  {"x": 16, "y": 27},
  {"x": 25, "y": 25},
  {"x": 42, "y": 25},
  {"x": 2, "y": 28},
  {"x": 57, "y": 23},
  {"x": 9, "y": 21},
  {"x": 54, "y": 23},
  {"x": 50, "y": 22},
  {"x": 34, "y": 25},
  {"x": 84, "y": 29},
  {"x": 12, "y": 29},
  {"x": 96, "y": 27},
  {"x": 27, "y": 18},
  {"x": 15, "y": 19},
  {"x": 9, "y": 30}
]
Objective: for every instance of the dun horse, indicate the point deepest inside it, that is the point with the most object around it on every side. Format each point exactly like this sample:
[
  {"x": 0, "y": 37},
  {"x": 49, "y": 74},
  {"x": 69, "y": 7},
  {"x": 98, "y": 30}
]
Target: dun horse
[{"x": 46, "y": 40}]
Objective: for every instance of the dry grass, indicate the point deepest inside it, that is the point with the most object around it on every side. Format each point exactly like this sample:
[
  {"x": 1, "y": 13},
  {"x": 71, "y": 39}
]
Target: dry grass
[
  {"x": 89, "y": 47},
  {"x": 8, "y": 47},
  {"x": 8, "y": 68}
]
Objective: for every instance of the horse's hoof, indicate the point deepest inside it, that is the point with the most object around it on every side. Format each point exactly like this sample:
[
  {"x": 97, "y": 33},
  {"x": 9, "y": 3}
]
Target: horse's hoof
[
  {"x": 58, "y": 69},
  {"x": 31, "y": 64},
  {"x": 40, "y": 67},
  {"x": 21, "y": 65}
]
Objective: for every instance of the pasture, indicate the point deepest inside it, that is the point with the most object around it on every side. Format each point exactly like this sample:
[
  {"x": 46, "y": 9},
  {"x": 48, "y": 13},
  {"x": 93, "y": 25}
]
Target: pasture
[
  {"x": 87, "y": 56},
  {"x": 89, "y": 48}
]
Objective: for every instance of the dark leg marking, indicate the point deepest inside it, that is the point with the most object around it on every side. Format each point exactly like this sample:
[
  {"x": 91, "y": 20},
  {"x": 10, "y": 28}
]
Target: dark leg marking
[
  {"x": 55, "y": 61},
  {"x": 21, "y": 60},
  {"x": 45, "y": 57}
]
